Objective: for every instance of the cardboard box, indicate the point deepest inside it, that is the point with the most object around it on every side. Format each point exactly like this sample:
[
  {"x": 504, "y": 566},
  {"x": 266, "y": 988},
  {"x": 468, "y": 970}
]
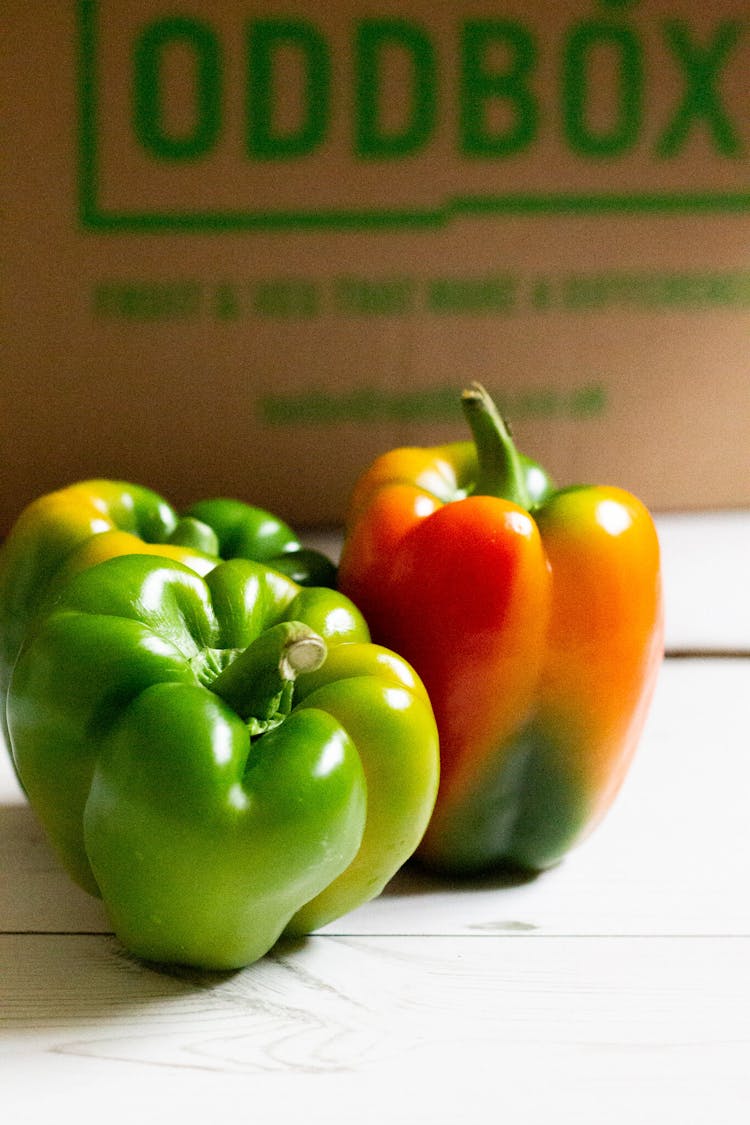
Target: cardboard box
[{"x": 247, "y": 247}]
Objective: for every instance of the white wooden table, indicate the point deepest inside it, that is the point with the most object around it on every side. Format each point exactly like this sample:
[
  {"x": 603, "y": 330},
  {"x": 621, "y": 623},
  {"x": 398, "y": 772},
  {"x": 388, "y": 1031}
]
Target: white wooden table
[{"x": 612, "y": 989}]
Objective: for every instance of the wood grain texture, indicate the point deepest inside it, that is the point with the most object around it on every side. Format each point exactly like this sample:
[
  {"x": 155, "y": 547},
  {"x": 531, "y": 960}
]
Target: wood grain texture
[{"x": 570, "y": 1024}]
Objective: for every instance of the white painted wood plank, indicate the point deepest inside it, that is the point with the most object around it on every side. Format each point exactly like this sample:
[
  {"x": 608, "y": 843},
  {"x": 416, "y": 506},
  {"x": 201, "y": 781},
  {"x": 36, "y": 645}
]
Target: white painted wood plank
[
  {"x": 497, "y": 1019},
  {"x": 373, "y": 1029},
  {"x": 672, "y": 857},
  {"x": 706, "y": 562}
]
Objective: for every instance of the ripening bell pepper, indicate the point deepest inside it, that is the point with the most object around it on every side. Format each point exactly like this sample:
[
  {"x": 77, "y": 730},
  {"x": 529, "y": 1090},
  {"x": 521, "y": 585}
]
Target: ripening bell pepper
[
  {"x": 534, "y": 619},
  {"x": 66, "y": 531},
  {"x": 222, "y": 759}
]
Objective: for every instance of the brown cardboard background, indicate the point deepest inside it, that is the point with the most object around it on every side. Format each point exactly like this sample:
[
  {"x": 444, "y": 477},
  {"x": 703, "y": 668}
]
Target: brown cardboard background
[{"x": 175, "y": 404}]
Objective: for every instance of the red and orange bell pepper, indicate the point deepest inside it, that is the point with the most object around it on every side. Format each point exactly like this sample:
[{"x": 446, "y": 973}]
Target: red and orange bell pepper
[{"x": 533, "y": 617}]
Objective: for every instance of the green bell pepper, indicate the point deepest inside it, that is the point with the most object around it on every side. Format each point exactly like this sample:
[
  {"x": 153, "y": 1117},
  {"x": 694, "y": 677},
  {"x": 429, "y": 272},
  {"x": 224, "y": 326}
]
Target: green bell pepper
[
  {"x": 222, "y": 758},
  {"x": 73, "y": 528}
]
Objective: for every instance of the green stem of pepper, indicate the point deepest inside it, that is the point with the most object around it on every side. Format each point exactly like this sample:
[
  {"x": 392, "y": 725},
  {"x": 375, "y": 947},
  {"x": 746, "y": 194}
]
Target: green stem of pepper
[
  {"x": 258, "y": 684},
  {"x": 500, "y": 470}
]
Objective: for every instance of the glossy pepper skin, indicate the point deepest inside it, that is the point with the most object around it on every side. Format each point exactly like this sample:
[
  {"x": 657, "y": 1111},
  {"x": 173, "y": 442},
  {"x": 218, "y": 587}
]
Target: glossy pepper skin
[
  {"x": 66, "y": 531},
  {"x": 222, "y": 759},
  {"x": 533, "y": 617}
]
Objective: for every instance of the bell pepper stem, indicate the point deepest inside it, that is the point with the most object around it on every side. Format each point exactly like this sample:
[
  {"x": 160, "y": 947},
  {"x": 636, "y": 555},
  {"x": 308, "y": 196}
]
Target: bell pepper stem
[
  {"x": 500, "y": 470},
  {"x": 258, "y": 683}
]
